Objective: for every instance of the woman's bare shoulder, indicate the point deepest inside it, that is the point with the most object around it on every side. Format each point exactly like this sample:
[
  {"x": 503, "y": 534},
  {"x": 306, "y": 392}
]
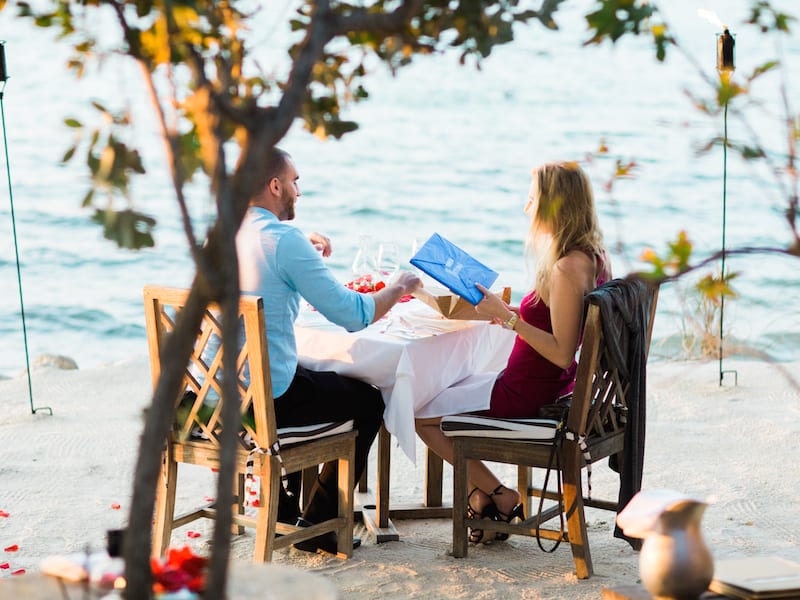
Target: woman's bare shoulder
[
  {"x": 576, "y": 266},
  {"x": 576, "y": 261}
]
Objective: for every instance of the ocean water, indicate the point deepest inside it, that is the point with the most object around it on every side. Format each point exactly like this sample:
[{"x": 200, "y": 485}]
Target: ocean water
[{"x": 441, "y": 147}]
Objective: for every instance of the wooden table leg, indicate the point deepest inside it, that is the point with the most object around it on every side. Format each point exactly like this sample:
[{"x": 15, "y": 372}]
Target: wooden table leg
[
  {"x": 434, "y": 469},
  {"x": 376, "y": 516}
]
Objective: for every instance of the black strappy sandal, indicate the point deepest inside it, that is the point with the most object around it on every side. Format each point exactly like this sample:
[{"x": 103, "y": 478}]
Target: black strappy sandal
[
  {"x": 489, "y": 512},
  {"x": 517, "y": 512}
]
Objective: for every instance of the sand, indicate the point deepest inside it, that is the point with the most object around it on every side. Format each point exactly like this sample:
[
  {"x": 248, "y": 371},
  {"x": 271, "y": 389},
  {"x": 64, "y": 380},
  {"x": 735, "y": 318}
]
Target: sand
[{"x": 66, "y": 478}]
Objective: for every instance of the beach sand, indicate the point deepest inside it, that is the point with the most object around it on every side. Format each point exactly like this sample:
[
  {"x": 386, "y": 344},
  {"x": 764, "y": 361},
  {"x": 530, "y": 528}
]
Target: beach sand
[{"x": 66, "y": 478}]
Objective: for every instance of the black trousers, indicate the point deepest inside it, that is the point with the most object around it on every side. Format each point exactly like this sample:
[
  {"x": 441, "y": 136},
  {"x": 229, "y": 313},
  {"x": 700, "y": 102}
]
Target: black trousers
[{"x": 324, "y": 396}]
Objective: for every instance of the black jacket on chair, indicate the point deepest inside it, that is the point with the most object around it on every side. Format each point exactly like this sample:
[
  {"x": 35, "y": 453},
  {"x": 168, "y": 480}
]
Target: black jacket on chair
[{"x": 625, "y": 312}]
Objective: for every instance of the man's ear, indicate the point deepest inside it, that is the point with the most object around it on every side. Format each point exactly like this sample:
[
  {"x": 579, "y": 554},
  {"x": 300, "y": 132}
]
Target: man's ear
[{"x": 275, "y": 186}]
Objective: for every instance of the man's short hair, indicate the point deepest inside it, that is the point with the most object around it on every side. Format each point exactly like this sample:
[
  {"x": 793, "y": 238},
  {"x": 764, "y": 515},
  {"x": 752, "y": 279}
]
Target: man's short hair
[{"x": 276, "y": 163}]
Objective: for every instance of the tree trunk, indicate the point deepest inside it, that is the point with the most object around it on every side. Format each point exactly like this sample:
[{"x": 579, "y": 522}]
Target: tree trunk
[{"x": 158, "y": 420}]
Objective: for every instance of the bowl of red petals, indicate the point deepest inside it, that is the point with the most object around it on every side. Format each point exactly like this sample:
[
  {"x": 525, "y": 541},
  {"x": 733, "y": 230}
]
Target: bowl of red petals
[
  {"x": 180, "y": 574},
  {"x": 365, "y": 284}
]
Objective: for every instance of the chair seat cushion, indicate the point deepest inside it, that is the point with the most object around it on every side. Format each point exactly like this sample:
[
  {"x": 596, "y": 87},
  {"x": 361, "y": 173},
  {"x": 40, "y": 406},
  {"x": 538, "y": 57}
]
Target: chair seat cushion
[
  {"x": 533, "y": 430},
  {"x": 305, "y": 433},
  {"x": 298, "y": 434}
]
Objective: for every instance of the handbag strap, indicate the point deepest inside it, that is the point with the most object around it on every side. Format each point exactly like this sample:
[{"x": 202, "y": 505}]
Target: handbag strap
[{"x": 555, "y": 456}]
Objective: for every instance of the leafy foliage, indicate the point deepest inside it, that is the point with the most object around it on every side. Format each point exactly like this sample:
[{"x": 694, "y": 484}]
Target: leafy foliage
[{"x": 212, "y": 98}]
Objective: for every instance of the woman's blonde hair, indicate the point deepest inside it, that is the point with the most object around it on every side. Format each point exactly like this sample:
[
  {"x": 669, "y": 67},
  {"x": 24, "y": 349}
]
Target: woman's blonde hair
[{"x": 564, "y": 219}]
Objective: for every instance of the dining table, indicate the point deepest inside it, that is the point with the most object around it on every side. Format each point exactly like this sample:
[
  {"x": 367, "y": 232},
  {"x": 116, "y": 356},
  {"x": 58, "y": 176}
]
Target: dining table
[{"x": 412, "y": 355}]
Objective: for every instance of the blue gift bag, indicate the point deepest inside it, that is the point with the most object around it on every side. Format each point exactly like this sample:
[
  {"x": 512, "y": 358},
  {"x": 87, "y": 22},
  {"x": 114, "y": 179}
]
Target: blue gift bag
[{"x": 453, "y": 268}]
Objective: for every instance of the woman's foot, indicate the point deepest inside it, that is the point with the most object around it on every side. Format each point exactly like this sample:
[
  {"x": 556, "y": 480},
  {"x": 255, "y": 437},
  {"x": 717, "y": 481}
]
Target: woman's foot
[
  {"x": 479, "y": 506},
  {"x": 507, "y": 507}
]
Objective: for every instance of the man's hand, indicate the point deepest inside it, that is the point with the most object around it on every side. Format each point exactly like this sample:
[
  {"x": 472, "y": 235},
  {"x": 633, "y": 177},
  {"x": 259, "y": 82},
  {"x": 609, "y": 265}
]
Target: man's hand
[
  {"x": 404, "y": 283},
  {"x": 322, "y": 243},
  {"x": 408, "y": 282}
]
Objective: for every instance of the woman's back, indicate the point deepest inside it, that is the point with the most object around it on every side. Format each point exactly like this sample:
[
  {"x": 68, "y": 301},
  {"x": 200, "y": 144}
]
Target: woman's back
[{"x": 529, "y": 380}]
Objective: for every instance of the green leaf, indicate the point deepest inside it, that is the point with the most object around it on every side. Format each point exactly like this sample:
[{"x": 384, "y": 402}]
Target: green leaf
[
  {"x": 766, "y": 67},
  {"x": 127, "y": 228},
  {"x": 749, "y": 152},
  {"x": 87, "y": 199},
  {"x": 69, "y": 154},
  {"x": 74, "y": 123}
]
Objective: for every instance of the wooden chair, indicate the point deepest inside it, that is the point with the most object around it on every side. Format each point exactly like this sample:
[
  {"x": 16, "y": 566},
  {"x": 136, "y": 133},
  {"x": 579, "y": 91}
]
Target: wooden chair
[
  {"x": 595, "y": 429},
  {"x": 195, "y": 437}
]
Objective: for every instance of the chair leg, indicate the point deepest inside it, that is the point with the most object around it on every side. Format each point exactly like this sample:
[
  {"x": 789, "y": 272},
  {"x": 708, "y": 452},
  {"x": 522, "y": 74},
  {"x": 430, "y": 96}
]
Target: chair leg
[
  {"x": 524, "y": 481},
  {"x": 165, "y": 504},
  {"x": 573, "y": 506},
  {"x": 267, "y": 516},
  {"x": 310, "y": 475},
  {"x": 238, "y": 507},
  {"x": 459, "y": 500},
  {"x": 362, "y": 483},
  {"x": 346, "y": 480}
]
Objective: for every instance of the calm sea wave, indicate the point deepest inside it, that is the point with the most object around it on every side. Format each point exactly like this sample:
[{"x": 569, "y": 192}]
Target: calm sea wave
[{"x": 441, "y": 148}]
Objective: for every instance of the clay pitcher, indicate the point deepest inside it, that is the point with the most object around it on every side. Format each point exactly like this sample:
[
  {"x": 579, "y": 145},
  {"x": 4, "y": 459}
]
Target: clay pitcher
[{"x": 675, "y": 563}]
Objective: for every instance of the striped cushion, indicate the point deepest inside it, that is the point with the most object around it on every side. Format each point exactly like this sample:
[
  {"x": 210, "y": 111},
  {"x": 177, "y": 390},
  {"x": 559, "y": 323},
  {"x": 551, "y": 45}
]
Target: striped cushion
[
  {"x": 535, "y": 430},
  {"x": 306, "y": 433},
  {"x": 298, "y": 434}
]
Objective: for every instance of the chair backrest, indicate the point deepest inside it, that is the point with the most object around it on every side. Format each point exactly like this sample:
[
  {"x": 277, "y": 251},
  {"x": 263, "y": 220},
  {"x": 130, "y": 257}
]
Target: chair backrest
[
  {"x": 203, "y": 373},
  {"x": 600, "y": 400}
]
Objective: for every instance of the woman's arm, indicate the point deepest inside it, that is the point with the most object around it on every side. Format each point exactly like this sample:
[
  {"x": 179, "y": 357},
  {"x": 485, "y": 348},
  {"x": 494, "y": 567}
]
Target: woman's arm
[{"x": 573, "y": 277}]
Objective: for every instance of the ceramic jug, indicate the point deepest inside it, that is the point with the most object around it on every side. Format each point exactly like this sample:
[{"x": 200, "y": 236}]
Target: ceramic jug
[{"x": 674, "y": 562}]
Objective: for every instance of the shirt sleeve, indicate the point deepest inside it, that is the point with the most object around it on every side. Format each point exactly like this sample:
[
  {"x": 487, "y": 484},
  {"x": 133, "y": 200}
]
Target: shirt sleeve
[{"x": 301, "y": 266}]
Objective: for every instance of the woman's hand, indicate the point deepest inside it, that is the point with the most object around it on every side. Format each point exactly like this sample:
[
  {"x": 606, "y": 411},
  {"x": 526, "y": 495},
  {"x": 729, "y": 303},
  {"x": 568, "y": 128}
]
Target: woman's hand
[{"x": 492, "y": 306}]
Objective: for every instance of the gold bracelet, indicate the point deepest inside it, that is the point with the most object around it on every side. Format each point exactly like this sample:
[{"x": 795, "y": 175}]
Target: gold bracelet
[{"x": 511, "y": 322}]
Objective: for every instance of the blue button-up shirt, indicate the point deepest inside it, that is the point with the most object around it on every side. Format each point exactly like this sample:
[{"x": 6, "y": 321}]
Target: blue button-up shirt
[{"x": 279, "y": 263}]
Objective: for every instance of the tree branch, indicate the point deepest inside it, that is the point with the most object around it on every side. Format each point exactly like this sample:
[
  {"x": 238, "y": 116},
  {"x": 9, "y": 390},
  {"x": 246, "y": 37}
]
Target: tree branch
[
  {"x": 364, "y": 20},
  {"x": 746, "y": 250}
]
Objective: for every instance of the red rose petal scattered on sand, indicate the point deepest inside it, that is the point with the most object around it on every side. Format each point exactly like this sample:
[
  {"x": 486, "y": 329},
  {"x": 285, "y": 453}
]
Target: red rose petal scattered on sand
[
  {"x": 116, "y": 506},
  {"x": 5, "y": 566},
  {"x": 3, "y": 514},
  {"x": 193, "y": 534},
  {"x": 12, "y": 548},
  {"x": 18, "y": 572}
]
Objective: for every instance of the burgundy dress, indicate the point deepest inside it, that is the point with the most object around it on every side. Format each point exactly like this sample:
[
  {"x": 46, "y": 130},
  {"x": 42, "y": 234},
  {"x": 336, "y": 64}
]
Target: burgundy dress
[{"x": 530, "y": 380}]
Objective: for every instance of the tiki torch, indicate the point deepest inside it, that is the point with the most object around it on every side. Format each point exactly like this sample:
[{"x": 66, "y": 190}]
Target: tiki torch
[{"x": 726, "y": 64}]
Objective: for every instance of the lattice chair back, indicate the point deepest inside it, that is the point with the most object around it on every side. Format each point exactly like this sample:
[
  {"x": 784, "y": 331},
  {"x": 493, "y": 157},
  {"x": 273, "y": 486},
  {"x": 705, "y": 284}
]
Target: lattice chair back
[
  {"x": 265, "y": 453},
  {"x": 601, "y": 403},
  {"x": 198, "y": 412}
]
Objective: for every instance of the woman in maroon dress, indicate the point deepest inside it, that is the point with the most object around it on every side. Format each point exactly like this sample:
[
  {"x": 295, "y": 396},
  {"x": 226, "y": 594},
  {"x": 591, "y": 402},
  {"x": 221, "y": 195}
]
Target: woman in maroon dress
[{"x": 566, "y": 247}]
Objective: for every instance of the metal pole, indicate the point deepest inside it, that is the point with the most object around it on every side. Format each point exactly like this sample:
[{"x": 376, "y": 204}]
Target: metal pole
[{"x": 4, "y": 76}]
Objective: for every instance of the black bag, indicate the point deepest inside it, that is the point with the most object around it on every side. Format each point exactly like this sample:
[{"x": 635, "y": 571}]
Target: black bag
[{"x": 558, "y": 410}]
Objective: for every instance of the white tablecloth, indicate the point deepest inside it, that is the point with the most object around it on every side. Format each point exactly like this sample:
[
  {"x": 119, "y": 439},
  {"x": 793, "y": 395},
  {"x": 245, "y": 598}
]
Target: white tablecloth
[{"x": 412, "y": 355}]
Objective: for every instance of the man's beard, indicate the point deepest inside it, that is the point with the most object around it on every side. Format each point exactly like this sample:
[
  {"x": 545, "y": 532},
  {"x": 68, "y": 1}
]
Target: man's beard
[{"x": 288, "y": 206}]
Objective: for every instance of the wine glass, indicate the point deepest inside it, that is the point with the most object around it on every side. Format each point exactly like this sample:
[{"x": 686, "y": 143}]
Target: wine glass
[
  {"x": 364, "y": 262},
  {"x": 388, "y": 260}
]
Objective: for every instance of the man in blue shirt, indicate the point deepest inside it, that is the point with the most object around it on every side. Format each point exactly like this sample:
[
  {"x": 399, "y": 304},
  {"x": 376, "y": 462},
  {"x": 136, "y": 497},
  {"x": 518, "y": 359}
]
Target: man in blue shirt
[{"x": 280, "y": 264}]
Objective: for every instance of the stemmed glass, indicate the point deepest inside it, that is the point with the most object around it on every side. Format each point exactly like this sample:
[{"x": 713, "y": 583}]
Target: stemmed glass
[
  {"x": 364, "y": 262},
  {"x": 388, "y": 260}
]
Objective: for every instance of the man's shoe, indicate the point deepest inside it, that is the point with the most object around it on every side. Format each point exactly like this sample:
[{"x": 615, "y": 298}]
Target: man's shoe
[{"x": 322, "y": 543}]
